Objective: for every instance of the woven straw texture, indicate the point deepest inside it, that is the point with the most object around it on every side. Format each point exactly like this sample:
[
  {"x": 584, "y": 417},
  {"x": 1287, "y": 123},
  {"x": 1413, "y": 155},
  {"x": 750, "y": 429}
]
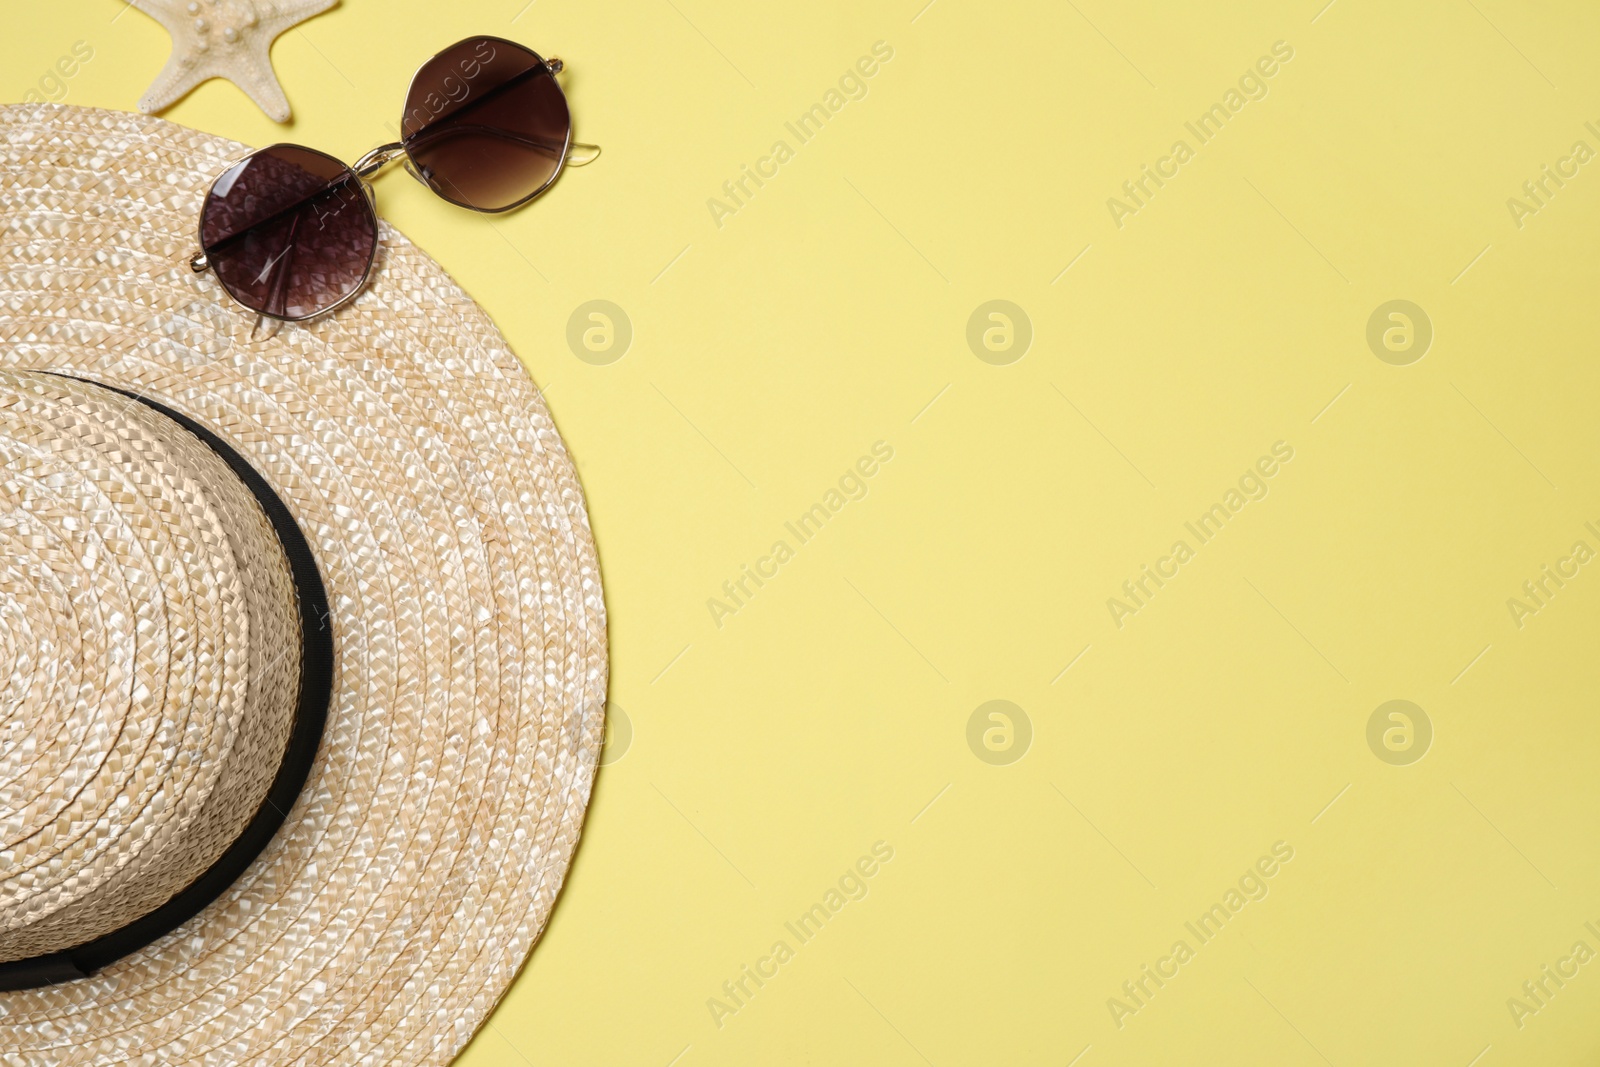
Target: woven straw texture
[
  {"x": 422, "y": 859},
  {"x": 131, "y": 760}
]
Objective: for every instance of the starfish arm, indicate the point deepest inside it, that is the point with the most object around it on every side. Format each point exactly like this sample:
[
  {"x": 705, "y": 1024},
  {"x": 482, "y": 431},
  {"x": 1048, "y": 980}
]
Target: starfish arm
[
  {"x": 181, "y": 73},
  {"x": 287, "y": 15},
  {"x": 254, "y": 74},
  {"x": 175, "y": 81},
  {"x": 300, "y": 10},
  {"x": 161, "y": 10},
  {"x": 264, "y": 87},
  {"x": 247, "y": 62}
]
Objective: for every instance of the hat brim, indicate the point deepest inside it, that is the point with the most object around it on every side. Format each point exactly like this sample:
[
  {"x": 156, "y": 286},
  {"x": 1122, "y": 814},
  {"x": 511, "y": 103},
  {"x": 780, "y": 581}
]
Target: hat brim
[{"x": 422, "y": 859}]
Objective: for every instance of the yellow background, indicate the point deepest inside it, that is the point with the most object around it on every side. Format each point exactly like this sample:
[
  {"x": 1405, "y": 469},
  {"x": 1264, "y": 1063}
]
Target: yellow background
[{"x": 831, "y": 712}]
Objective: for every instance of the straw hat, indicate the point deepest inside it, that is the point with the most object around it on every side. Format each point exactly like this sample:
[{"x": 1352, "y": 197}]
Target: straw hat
[{"x": 354, "y": 555}]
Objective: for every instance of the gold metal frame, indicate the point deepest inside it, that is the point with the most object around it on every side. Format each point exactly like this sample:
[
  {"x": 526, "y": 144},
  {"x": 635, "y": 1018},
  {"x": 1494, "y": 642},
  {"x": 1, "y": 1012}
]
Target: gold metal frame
[{"x": 370, "y": 164}]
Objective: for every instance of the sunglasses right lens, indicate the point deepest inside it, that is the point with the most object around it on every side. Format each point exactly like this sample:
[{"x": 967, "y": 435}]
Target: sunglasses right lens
[
  {"x": 289, "y": 232},
  {"x": 486, "y": 125}
]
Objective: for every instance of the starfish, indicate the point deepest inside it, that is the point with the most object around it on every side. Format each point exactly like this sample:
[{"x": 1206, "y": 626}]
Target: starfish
[{"x": 229, "y": 39}]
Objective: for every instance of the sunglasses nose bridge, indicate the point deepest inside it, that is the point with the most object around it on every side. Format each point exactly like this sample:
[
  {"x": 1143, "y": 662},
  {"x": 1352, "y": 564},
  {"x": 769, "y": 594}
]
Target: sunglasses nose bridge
[{"x": 377, "y": 159}]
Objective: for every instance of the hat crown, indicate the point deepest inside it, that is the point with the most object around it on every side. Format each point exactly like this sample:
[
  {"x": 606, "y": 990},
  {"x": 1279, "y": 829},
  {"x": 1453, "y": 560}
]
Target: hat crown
[{"x": 150, "y": 660}]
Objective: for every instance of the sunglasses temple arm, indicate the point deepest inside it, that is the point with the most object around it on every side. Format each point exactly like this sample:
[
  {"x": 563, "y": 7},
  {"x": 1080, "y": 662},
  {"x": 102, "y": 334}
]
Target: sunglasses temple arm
[
  {"x": 199, "y": 265},
  {"x": 577, "y": 153},
  {"x": 280, "y": 269},
  {"x": 200, "y": 262},
  {"x": 272, "y": 328},
  {"x": 553, "y": 65}
]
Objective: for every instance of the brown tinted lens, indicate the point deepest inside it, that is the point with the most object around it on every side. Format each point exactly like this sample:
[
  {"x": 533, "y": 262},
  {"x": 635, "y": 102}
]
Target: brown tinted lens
[
  {"x": 288, "y": 231},
  {"x": 486, "y": 125}
]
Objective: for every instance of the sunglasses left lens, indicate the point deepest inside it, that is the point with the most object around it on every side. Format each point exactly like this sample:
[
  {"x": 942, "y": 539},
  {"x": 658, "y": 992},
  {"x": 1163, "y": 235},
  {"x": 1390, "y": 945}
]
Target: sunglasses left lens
[
  {"x": 289, "y": 232},
  {"x": 486, "y": 125}
]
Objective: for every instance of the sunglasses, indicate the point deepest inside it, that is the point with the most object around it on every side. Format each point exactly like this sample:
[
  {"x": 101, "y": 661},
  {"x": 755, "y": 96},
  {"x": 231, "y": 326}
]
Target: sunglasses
[{"x": 291, "y": 233}]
